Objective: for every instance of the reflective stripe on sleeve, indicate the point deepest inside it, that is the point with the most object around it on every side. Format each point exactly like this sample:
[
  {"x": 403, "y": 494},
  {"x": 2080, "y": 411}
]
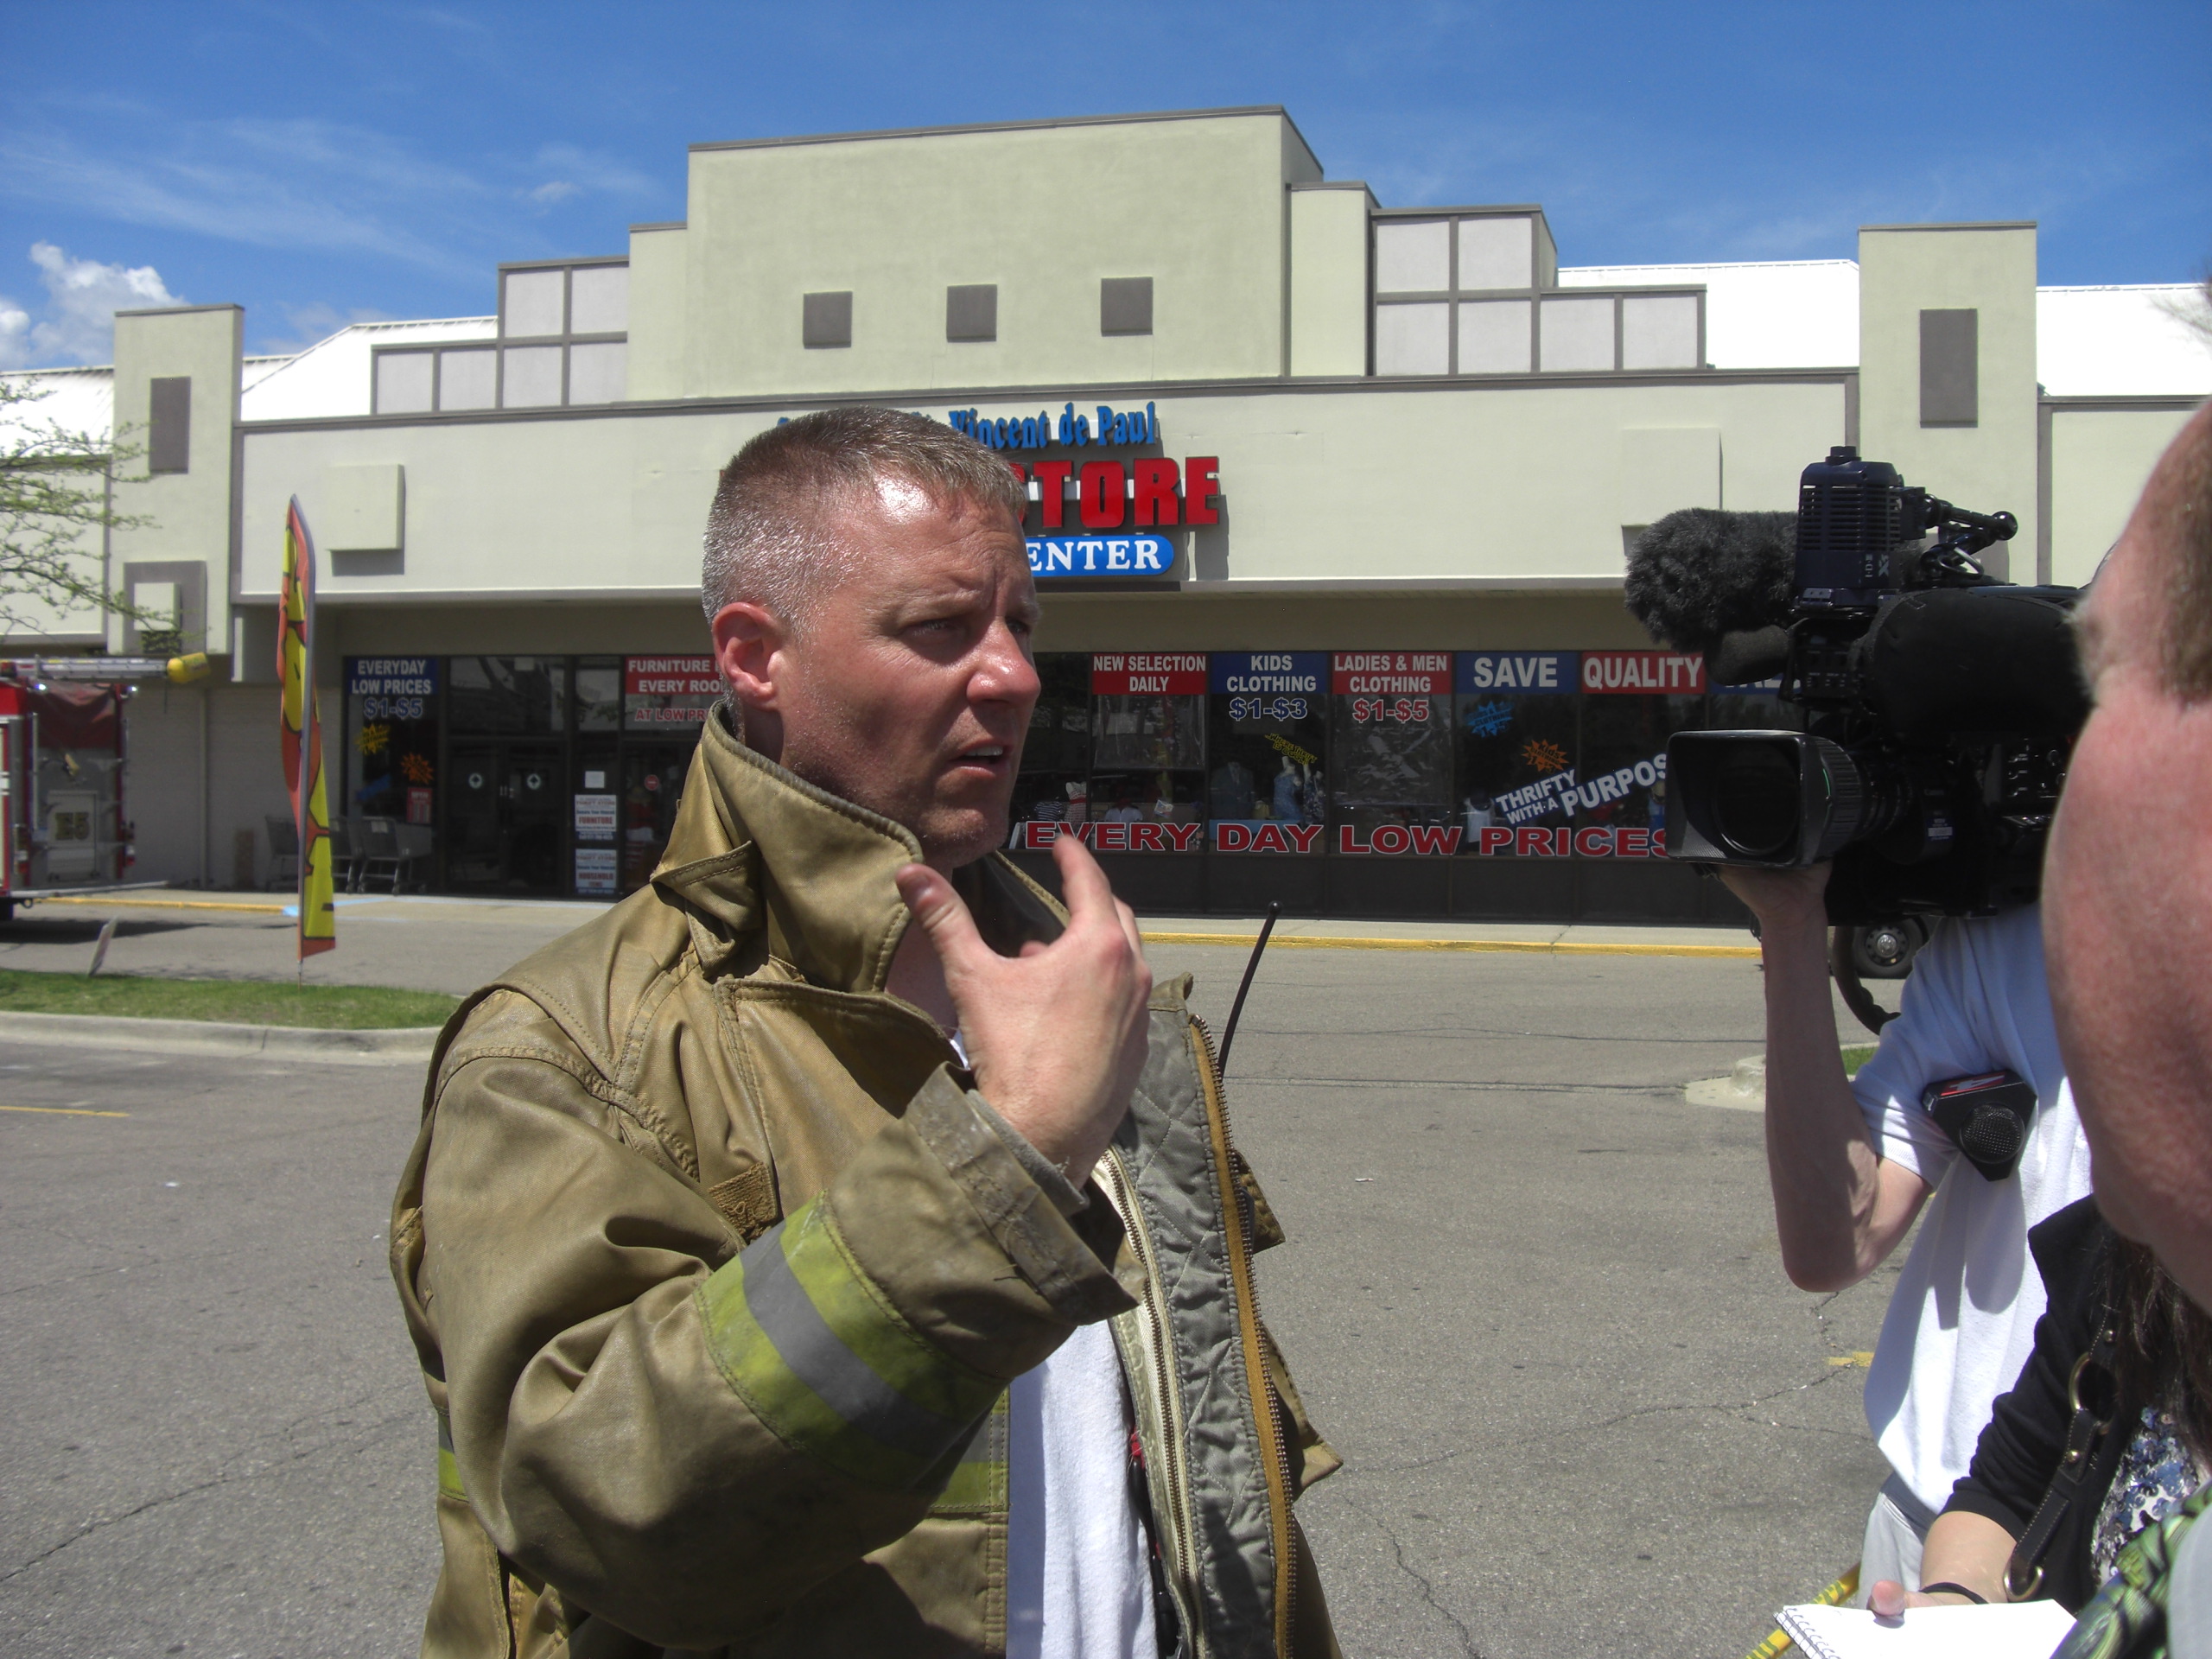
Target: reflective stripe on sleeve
[
  {"x": 828, "y": 1365},
  {"x": 978, "y": 1482},
  {"x": 449, "y": 1466}
]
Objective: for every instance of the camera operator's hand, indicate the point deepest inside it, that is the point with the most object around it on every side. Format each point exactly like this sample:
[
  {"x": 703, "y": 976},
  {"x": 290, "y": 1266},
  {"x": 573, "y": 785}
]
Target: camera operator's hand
[
  {"x": 1058, "y": 1034},
  {"x": 1782, "y": 900}
]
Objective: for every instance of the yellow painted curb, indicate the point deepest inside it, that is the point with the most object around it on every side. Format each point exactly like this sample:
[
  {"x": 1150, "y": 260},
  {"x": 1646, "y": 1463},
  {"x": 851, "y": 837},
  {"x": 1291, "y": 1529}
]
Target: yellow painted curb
[
  {"x": 1524, "y": 947},
  {"x": 125, "y": 901}
]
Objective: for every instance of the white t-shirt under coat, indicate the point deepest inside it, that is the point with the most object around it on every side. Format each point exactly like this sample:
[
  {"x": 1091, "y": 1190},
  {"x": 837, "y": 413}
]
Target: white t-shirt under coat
[{"x": 1961, "y": 1321}]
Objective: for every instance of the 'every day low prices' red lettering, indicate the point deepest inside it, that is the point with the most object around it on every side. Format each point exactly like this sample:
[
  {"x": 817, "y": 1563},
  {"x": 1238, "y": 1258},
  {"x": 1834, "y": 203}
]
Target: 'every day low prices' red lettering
[{"x": 1140, "y": 837}]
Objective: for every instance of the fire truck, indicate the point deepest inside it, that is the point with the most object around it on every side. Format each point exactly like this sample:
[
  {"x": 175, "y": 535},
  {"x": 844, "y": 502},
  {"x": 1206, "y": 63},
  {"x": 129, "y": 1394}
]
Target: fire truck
[{"x": 63, "y": 827}]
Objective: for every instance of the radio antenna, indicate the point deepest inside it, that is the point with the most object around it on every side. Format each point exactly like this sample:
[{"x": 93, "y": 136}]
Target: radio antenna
[{"x": 1236, "y": 1008}]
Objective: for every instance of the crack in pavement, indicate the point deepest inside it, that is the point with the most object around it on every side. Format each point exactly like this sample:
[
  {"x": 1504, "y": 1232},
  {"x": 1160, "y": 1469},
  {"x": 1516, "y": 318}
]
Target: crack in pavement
[
  {"x": 1427, "y": 1589},
  {"x": 1733, "y": 1408},
  {"x": 372, "y": 1433},
  {"x": 101, "y": 1522}
]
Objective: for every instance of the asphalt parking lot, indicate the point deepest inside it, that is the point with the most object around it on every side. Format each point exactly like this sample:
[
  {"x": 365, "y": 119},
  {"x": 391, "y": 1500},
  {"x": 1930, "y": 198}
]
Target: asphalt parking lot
[{"x": 1531, "y": 1295}]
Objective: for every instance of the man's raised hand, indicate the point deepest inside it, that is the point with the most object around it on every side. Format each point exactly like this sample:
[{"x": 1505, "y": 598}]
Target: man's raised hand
[{"x": 1057, "y": 1034}]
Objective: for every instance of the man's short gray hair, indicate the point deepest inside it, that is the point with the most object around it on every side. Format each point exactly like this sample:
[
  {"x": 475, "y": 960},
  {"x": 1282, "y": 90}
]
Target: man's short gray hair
[
  {"x": 770, "y": 536},
  {"x": 2175, "y": 516}
]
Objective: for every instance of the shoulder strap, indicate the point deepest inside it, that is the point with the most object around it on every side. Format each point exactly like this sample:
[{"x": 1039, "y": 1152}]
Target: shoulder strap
[{"x": 2024, "y": 1572}]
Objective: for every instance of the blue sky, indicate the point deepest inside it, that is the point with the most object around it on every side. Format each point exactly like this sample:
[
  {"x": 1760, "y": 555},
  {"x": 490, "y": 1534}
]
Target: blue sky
[{"x": 323, "y": 162}]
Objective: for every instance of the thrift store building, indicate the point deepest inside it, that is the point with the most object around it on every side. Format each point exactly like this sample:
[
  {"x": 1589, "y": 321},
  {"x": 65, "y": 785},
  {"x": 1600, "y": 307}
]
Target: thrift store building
[{"x": 1330, "y": 505}]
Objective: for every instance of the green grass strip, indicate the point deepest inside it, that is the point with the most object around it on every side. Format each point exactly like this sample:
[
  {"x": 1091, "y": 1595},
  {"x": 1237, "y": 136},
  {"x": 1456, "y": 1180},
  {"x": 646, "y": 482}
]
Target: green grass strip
[
  {"x": 1854, "y": 1056},
  {"x": 235, "y": 1001}
]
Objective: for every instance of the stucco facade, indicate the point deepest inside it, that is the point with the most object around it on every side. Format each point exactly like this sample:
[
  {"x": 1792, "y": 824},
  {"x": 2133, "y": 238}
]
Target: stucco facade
[{"x": 1384, "y": 432}]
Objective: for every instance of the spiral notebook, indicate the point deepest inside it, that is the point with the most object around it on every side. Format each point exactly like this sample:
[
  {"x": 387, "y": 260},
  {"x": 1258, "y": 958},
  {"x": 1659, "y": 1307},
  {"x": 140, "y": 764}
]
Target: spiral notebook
[{"x": 2023, "y": 1629}]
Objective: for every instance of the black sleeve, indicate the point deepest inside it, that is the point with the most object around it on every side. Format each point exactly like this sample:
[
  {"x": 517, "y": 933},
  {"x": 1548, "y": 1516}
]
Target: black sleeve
[{"x": 2019, "y": 1449}]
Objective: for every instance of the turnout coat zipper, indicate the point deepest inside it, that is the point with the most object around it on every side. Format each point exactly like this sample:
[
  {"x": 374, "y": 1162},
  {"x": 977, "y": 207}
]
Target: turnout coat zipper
[{"x": 718, "y": 1268}]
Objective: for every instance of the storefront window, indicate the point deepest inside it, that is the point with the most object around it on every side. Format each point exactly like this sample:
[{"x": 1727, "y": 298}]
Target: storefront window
[
  {"x": 666, "y": 700},
  {"x": 495, "y": 696},
  {"x": 1390, "y": 732},
  {"x": 1514, "y": 712},
  {"x": 1266, "y": 737},
  {"x": 1755, "y": 708},
  {"x": 1054, "y": 784},
  {"x": 669, "y": 695},
  {"x": 1148, "y": 751},
  {"x": 599, "y": 694},
  {"x": 1633, "y": 701},
  {"x": 652, "y": 789},
  {"x": 390, "y": 767}
]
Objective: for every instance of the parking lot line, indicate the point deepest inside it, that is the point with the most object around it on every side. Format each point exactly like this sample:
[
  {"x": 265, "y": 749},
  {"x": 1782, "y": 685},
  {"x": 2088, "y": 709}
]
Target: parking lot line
[{"x": 63, "y": 1111}]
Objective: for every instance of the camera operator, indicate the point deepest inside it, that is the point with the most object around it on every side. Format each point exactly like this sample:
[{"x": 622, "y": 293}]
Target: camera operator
[{"x": 1854, "y": 1161}]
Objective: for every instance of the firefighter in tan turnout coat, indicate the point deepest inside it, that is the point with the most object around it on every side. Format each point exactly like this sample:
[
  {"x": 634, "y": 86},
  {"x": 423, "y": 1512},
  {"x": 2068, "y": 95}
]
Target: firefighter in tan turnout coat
[{"x": 746, "y": 1223}]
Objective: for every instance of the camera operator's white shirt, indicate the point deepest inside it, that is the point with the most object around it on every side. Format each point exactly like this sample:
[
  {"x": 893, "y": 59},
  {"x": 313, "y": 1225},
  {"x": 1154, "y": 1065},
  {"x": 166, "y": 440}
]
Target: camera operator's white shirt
[{"x": 1963, "y": 1319}]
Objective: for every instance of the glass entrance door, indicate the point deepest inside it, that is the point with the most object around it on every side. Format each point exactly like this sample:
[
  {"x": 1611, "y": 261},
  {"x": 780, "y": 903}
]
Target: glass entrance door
[
  {"x": 652, "y": 788},
  {"x": 506, "y": 833}
]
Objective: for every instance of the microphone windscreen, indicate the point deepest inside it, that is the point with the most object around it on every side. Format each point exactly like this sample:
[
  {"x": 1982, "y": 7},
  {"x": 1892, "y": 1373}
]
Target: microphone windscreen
[
  {"x": 1745, "y": 659},
  {"x": 1701, "y": 574}
]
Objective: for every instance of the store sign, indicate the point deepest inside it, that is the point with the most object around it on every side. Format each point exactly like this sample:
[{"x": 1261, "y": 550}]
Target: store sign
[
  {"x": 1264, "y": 836},
  {"x": 1267, "y": 673},
  {"x": 1482, "y": 671},
  {"x": 1390, "y": 673},
  {"x": 1173, "y": 674},
  {"x": 391, "y": 677},
  {"x": 1593, "y": 840},
  {"x": 662, "y": 691},
  {"x": 1103, "y": 426},
  {"x": 1052, "y": 556},
  {"x": 595, "y": 818},
  {"x": 1643, "y": 673},
  {"x": 393, "y": 688},
  {"x": 1391, "y": 839},
  {"x": 595, "y": 870},
  {"x": 1138, "y": 837},
  {"x": 1150, "y": 492}
]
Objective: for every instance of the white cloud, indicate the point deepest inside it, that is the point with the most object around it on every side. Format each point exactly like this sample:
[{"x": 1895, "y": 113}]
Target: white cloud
[
  {"x": 586, "y": 169},
  {"x": 554, "y": 190},
  {"x": 15, "y": 335},
  {"x": 78, "y": 320}
]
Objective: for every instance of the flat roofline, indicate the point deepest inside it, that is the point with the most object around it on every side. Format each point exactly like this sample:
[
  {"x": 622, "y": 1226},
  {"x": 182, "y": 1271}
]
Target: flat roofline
[
  {"x": 1963, "y": 224},
  {"x": 663, "y": 225},
  {"x": 175, "y": 310},
  {"x": 564, "y": 263},
  {"x": 1535, "y": 207},
  {"x": 2177, "y": 402},
  {"x": 1719, "y": 265},
  {"x": 2121, "y": 288},
  {"x": 1040, "y": 125}
]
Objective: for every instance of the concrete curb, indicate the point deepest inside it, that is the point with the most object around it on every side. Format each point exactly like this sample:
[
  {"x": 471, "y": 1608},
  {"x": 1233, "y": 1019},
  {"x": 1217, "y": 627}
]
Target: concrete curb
[
  {"x": 1744, "y": 1090},
  {"x": 407, "y": 1044}
]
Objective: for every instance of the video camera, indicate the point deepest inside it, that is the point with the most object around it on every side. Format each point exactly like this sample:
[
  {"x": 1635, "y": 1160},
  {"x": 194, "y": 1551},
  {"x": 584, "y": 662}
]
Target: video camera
[{"x": 1939, "y": 705}]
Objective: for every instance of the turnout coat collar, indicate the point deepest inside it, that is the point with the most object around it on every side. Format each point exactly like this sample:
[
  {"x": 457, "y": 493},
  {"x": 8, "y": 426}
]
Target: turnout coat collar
[{"x": 758, "y": 848}]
